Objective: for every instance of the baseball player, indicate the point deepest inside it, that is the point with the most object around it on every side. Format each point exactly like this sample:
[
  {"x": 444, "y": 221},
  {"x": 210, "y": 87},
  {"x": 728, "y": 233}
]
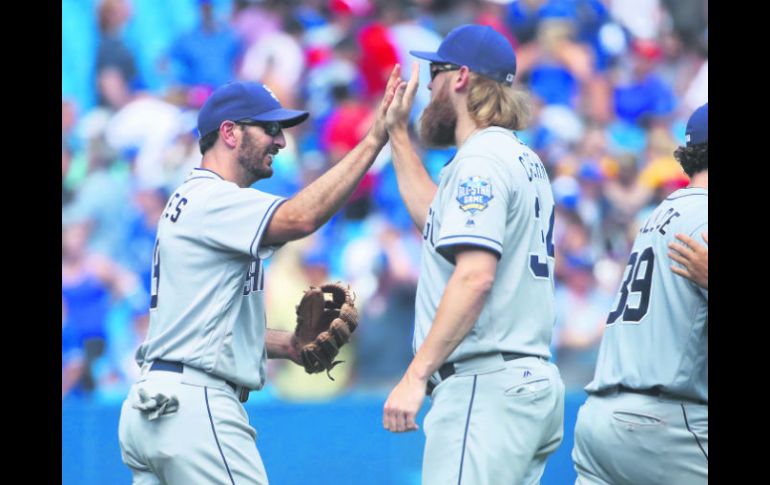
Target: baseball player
[
  {"x": 646, "y": 417},
  {"x": 206, "y": 349},
  {"x": 485, "y": 298}
]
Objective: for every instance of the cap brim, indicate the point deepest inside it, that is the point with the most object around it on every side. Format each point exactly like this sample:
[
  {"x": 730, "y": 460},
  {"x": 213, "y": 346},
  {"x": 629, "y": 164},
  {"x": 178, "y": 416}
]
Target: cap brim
[
  {"x": 287, "y": 117},
  {"x": 428, "y": 56}
]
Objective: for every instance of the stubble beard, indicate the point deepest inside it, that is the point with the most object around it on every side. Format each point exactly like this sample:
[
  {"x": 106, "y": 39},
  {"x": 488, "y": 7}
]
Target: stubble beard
[
  {"x": 252, "y": 158},
  {"x": 438, "y": 121}
]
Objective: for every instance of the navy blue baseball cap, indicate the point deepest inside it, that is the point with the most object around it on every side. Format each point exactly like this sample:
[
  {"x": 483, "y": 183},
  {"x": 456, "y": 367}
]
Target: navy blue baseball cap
[
  {"x": 238, "y": 101},
  {"x": 697, "y": 130},
  {"x": 484, "y": 50}
]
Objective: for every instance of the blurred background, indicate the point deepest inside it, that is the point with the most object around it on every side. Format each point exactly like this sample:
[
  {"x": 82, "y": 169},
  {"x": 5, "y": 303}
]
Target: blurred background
[{"x": 614, "y": 82}]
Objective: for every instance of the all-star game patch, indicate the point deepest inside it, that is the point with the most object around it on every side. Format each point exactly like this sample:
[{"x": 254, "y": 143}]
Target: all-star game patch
[{"x": 474, "y": 194}]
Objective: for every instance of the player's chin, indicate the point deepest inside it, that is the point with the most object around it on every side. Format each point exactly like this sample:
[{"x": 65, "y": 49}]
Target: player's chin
[{"x": 263, "y": 172}]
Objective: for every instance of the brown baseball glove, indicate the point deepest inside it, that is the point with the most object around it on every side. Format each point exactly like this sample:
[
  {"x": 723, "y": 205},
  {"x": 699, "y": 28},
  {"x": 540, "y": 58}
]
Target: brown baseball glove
[{"x": 326, "y": 317}]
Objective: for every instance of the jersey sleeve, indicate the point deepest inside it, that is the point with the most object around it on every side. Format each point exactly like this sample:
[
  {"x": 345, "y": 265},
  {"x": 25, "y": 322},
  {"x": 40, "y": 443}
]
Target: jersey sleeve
[
  {"x": 236, "y": 219},
  {"x": 474, "y": 207}
]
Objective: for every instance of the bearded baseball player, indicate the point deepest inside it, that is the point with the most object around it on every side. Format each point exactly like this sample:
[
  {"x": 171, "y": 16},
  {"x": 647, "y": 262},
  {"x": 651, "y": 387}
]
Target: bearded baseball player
[
  {"x": 646, "y": 418},
  {"x": 183, "y": 422},
  {"x": 485, "y": 298}
]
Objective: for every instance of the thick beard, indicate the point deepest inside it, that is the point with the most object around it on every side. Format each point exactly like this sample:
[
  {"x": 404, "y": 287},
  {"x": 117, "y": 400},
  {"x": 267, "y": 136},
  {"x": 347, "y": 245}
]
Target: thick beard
[
  {"x": 251, "y": 157},
  {"x": 438, "y": 122}
]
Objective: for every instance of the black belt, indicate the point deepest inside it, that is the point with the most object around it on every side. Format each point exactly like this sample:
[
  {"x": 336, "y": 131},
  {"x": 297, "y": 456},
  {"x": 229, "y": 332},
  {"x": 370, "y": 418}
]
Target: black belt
[
  {"x": 652, "y": 391},
  {"x": 178, "y": 367},
  {"x": 448, "y": 369}
]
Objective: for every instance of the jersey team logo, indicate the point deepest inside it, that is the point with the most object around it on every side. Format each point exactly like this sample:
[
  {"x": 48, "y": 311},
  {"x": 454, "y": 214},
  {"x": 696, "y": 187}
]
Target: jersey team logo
[{"x": 474, "y": 194}]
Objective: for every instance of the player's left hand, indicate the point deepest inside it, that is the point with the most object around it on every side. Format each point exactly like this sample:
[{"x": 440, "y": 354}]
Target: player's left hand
[
  {"x": 694, "y": 258},
  {"x": 404, "y": 403}
]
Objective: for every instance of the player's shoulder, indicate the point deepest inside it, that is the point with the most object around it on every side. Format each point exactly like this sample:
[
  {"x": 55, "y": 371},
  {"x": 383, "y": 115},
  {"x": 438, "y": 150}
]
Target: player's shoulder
[
  {"x": 494, "y": 146},
  {"x": 198, "y": 180},
  {"x": 202, "y": 177},
  {"x": 684, "y": 211},
  {"x": 494, "y": 139},
  {"x": 205, "y": 190},
  {"x": 689, "y": 196},
  {"x": 691, "y": 203},
  {"x": 208, "y": 183}
]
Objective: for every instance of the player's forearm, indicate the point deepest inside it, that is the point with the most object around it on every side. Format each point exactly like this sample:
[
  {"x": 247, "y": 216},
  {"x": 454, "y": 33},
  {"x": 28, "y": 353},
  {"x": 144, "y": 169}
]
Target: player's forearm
[
  {"x": 414, "y": 183},
  {"x": 320, "y": 200},
  {"x": 458, "y": 311},
  {"x": 280, "y": 345}
]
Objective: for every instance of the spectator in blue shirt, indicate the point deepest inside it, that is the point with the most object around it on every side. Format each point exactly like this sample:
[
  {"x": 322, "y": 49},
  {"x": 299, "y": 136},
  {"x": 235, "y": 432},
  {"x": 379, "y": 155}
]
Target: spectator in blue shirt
[{"x": 208, "y": 54}]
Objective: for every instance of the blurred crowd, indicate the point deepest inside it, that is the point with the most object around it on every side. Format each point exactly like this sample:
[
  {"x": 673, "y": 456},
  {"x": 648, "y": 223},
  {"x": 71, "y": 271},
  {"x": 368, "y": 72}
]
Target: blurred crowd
[{"x": 613, "y": 82}]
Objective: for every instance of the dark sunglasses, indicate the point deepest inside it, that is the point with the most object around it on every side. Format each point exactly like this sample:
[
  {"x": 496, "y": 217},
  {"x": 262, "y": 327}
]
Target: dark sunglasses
[
  {"x": 436, "y": 68},
  {"x": 272, "y": 128}
]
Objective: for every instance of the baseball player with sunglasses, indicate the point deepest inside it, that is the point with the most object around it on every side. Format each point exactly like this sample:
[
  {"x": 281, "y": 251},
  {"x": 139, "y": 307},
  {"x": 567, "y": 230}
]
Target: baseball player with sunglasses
[
  {"x": 485, "y": 306},
  {"x": 183, "y": 422}
]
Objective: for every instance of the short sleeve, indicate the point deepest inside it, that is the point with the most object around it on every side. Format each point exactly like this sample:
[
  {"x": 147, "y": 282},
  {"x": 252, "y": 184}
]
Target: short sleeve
[
  {"x": 474, "y": 207},
  {"x": 236, "y": 219}
]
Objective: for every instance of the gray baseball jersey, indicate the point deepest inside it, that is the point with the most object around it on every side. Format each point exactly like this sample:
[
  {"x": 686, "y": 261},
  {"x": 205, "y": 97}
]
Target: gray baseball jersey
[
  {"x": 495, "y": 194},
  {"x": 657, "y": 331},
  {"x": 207, "y": 307}
]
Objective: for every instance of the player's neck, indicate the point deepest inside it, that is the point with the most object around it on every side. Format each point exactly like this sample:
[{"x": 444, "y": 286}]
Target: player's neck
[
  {"x": 700, "y": 180},
  {"x": 464, "y": 129},
  {"x": 228, "y": 171}
]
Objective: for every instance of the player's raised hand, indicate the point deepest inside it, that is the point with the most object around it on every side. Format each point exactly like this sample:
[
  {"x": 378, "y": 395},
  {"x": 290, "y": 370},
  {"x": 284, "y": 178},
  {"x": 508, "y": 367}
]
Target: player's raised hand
[
  {"x": 403, "y": 404},
  {"x": 378, "y": 128},
  {"x": 398, "y": 113},
  {"x": 694, "y": 258}
]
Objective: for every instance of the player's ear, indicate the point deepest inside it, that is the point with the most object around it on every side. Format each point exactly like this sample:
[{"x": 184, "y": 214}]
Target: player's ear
[
  {"x": 228, "y": 133},
  {"x": 462, "y": 78}
]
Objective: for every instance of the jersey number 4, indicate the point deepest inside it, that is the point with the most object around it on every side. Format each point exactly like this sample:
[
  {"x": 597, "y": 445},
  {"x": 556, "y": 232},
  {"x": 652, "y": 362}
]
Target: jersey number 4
[
  {"x": 540, "y": 268},
  {"x": 635, "y": 283}
]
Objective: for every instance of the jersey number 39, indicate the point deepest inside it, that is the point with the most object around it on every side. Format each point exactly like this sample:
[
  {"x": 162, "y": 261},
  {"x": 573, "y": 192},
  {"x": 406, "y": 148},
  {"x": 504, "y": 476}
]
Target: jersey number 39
[{"x": 635, "y": 283}]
